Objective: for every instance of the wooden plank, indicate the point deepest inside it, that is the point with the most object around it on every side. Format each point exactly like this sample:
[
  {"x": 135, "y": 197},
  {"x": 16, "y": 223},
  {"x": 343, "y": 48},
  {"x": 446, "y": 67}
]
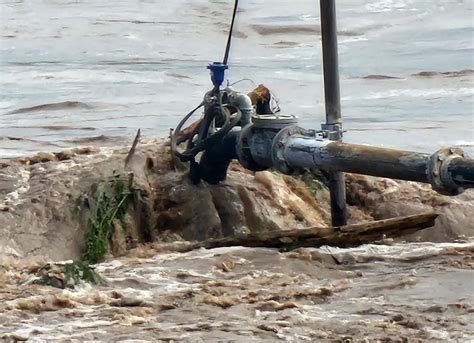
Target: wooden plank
[
  {"x": 132, "y": 149},
  {"x": 342, "y": 236}
]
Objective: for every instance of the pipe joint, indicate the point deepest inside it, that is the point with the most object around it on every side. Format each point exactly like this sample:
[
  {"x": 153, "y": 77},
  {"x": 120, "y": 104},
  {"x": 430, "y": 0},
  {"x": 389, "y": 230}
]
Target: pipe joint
[
  {"x": 280, "y": 145},
  {"x": 439, "y": 174},
  {"x": 254, "y": 147},
  {"x": 247, "y": 148}
]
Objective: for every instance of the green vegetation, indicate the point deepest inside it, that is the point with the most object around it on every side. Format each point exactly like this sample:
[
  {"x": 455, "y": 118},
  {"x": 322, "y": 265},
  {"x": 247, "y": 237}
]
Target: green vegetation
[
  {"x": 109, "y": 201},
  {"x": 111, "y": 204},
  {"x": 312, "y": 181}
]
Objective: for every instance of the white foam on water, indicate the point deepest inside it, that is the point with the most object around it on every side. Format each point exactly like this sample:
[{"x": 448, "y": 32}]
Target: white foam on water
[
  {"x": 6, "y": 153},
  {"x": 420, "y": 93},
  {"x": 389, "y": 6},
  {"x": 464, "y": 143},
  {"x": 399, "y": 251}
]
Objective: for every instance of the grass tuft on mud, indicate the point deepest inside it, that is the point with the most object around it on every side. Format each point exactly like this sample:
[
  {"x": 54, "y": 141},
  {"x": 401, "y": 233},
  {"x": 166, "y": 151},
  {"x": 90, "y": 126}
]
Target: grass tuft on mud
[{"x": 111, "y": 201}]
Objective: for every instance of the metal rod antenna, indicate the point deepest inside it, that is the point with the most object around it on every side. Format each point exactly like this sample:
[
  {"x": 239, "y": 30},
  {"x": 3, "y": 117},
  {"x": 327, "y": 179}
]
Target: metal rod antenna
[
  {"x": 229, "y": 38},
  {"x": 337, "y": 186}
]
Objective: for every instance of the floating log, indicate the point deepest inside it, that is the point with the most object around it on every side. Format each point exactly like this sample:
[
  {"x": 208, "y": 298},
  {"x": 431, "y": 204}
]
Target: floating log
[{"x": 341, "y": 236}]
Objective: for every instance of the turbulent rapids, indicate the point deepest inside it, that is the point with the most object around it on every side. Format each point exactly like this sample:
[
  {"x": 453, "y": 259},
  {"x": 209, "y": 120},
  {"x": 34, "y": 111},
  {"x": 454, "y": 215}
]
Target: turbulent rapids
[{"x": 385, "y": 291}]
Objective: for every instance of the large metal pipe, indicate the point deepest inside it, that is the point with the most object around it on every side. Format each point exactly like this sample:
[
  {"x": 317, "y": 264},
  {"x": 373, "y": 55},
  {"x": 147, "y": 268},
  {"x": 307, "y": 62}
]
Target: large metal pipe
[
  {"x": 354, "y": 158},
  {"x": 462, "y": 171},
  {"x": 449, "y": 171},
  {"x": 333, "y": 104}
]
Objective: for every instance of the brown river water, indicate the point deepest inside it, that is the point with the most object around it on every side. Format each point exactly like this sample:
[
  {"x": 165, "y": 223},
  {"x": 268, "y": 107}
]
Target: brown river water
[
  {"x": 89, "y": 72},
  {"x": 415, "y": 291}
]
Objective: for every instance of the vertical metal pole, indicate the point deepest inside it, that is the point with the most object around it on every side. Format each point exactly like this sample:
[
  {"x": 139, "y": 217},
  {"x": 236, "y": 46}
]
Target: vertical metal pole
[{"x": 337, "y": 185}]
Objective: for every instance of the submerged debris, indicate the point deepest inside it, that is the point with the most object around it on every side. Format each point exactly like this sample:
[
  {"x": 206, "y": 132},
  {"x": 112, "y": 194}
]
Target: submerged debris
[{"x": 68, "y": 275}]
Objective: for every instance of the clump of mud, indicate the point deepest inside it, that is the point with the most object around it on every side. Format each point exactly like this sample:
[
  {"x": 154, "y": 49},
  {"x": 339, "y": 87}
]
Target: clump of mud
[
  {"x": 61, "y": 198},
  {"x": 385, "y": 198}
]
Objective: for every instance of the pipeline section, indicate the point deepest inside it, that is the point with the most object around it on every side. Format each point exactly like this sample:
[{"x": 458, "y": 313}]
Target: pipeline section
[
  {"x": 449, "y": 170},
  {"x": 260, "y": 142}
]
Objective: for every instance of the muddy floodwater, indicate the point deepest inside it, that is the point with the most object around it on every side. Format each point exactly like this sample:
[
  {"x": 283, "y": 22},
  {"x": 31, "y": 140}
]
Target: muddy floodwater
[
  {"x": 87, "y": 74},
  {"x": 375, "y": 292},
  {"x": 406, "y": 68}
]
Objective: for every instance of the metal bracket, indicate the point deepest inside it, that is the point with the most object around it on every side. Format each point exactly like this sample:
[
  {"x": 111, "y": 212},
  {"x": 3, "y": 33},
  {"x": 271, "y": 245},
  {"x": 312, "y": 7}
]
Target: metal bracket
[{"x": 332, "y": 132}]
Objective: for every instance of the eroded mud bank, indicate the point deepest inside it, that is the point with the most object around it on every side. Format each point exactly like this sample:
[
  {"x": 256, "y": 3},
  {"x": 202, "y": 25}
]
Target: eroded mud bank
[
  {"x": 48, "y": 200},
  {"x": 393, "y": 291}
]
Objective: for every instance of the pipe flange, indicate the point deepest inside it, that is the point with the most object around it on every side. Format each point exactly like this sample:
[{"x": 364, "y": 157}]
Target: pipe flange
[
  {"x": 278, "y": 147},
  {"x": 438, "y": 173},
  {"x": 244, "y": 153},
  {"x": 274, "y": 121}
]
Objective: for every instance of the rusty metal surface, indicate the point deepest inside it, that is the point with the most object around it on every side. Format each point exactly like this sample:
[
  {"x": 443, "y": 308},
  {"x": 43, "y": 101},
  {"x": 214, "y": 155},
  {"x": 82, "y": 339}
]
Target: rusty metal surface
[
  {"x": 327, "y": 155},
  {"x": 368, "y": 160},
  {"x": 449, "y": 171}
]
